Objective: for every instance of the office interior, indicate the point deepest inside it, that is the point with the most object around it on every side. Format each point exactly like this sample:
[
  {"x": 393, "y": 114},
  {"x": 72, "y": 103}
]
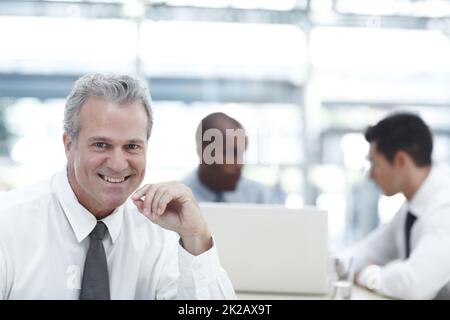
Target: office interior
[{"x": 304, "y": 77}]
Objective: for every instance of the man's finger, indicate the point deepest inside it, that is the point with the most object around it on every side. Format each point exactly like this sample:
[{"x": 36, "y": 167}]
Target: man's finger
[
  {"x": 139, "y": 193},
  {"x": 153, "y": 217},
  {"x": 161, "y": 190},
  {"x": 139, "y": 204},
  {"x": 163, "y": 201},
  {"x": 148, "y": 199}
]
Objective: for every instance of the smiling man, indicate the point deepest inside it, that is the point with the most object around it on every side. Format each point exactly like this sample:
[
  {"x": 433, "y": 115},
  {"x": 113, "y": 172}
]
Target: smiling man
[
  {"x": 80, "y": 235},
  {"x": 106, "y": 158}
]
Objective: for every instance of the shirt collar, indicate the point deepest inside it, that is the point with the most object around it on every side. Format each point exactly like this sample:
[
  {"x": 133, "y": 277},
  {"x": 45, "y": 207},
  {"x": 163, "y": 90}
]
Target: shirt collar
[
  {"x": 420, "y": 202},
  {"x": 80, "y": 219}
]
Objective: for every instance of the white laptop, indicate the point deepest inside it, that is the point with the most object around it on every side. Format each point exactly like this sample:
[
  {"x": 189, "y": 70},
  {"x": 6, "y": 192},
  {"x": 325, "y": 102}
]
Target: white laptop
[{"x": 269, "y": 248}]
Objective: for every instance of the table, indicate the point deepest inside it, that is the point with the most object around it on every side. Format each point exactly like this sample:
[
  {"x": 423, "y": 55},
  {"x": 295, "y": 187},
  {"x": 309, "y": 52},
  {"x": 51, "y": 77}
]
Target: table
[{"x": 358, "y": 293}]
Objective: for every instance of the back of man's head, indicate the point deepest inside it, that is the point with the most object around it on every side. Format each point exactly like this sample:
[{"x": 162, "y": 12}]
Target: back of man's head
[{"x": 402, "y": 131}]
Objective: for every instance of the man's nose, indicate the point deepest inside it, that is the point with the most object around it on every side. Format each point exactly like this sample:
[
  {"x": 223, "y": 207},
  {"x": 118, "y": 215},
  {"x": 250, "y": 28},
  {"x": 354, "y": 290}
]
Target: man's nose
[
  {"x": 117, "y": 161},
  {"x": 232, "y": 168}
]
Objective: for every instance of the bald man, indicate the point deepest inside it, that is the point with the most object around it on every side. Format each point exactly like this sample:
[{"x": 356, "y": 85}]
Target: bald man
[{"x": 221, "y": 143}]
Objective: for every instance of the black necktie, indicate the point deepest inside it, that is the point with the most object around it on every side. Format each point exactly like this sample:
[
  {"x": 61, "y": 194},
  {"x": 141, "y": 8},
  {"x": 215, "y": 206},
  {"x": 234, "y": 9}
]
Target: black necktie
[
  {"x": 410, "y": 219},
  {"x": 219, "y": 197},
  {"x": 95, "y": 284}
]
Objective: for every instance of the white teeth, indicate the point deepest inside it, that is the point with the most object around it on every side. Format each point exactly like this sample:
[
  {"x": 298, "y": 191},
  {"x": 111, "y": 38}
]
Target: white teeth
[{"x": 112, "y": 180}]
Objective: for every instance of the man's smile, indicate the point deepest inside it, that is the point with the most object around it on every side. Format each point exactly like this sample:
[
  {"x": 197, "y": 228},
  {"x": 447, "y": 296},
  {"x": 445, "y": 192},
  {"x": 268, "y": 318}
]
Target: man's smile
[{"x": 113, "y": 179}]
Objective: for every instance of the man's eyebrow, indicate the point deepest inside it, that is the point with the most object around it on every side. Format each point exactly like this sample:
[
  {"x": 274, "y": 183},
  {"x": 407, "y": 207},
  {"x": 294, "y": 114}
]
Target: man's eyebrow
[
  {"x": 99, "y": 138},
  {"x": 136, "y": 141},
  {"x": 105, "y": 139}
]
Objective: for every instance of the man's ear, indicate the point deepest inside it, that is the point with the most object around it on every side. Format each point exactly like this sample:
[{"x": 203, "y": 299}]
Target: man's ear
[
  {"x": 68, "y": 145},
  {"x": 401, "y": 158}
]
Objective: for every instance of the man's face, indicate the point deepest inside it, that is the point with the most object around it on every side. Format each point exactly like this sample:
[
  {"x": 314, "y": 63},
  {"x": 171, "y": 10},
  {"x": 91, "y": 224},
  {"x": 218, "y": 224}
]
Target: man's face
[
  {"x": 385, "y": 174},
  {"x": 226, "y": 176},
  {"x": 107, "y": 161}
]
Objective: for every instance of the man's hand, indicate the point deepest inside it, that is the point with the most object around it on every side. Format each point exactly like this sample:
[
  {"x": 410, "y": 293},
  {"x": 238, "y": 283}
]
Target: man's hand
[
  {"x": 172, "y": 206},
  {"x": 369, "y": 277}
]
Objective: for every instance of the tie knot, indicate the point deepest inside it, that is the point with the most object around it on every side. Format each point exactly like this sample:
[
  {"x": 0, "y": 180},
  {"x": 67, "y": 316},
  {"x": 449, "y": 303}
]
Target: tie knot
[
  {"x": 411, "y": 216},
  {"x": 99, "y": 231},
  {"x": 219, "y": 196}
]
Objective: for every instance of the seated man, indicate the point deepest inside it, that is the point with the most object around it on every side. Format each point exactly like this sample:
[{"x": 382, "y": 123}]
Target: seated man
[
  {"x": 218, "y": 177},
  {"x": 79, "y": 236},
  {"x": 408, "y": 257}
]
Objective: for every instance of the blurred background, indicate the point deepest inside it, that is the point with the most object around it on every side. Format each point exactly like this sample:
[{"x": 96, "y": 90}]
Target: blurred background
[{"x": 305, "y": 78}]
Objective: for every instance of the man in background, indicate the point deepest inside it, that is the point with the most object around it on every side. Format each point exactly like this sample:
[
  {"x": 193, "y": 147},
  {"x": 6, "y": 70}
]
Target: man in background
[
  {"x": 407, "y": 258},
  {"x": 218, "y": 177}
]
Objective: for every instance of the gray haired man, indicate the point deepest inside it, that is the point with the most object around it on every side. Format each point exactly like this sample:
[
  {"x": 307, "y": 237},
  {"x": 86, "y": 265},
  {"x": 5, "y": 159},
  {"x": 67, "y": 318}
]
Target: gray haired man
[{"x": 81, "y": 236}]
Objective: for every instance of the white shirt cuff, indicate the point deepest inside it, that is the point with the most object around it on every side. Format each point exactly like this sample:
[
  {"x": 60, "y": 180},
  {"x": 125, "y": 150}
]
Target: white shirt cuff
[
  {"x": 370, "y": 277},
  {"x": 199, "y": 270}
]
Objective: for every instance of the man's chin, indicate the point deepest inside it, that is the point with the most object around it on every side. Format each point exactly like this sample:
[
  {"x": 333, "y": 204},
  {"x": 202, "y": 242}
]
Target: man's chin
[
  {"x": 114, "y": 202},
  {"x": 390, "y": 193},
  {"x": 230, "y": 187}
]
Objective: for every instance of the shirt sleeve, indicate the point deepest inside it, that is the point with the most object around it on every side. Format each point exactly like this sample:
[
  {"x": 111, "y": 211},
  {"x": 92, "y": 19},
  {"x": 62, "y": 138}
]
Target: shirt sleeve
[
  {"x": 189, "y": 277},
  {"x": 270, "y": 194},
  {"x": 202, "y": 277},
  {"x": 2, "y": 274},
  {"x": 377, "y": 248},
  {"x": 425, "y": 272}
]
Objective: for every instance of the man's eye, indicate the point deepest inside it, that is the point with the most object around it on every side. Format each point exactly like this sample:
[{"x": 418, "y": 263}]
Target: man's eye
[
  {"x": 132, "y": 146},
  {"x": 100, "y": 145}
]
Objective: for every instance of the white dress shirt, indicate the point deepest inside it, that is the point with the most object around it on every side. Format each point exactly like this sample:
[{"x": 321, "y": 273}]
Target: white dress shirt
[
  {"x": 426, "y": 273},
  {"x": 247, "y": 191},
  {"x": 44, "y": 240}
]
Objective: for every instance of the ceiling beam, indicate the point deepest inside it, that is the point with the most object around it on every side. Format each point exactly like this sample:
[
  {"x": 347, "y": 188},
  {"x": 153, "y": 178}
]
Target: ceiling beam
[
  {"x": 188, "y": 90},
  {"x": 157, "y": 12}
]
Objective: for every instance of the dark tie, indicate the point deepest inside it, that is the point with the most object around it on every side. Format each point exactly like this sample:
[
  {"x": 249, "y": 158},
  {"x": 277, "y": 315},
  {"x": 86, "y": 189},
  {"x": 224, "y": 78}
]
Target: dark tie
[
  {"x": 410, "y": 219},
  {"x": 95, "y": 284},
  {"x": 219, "y": 197}
]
